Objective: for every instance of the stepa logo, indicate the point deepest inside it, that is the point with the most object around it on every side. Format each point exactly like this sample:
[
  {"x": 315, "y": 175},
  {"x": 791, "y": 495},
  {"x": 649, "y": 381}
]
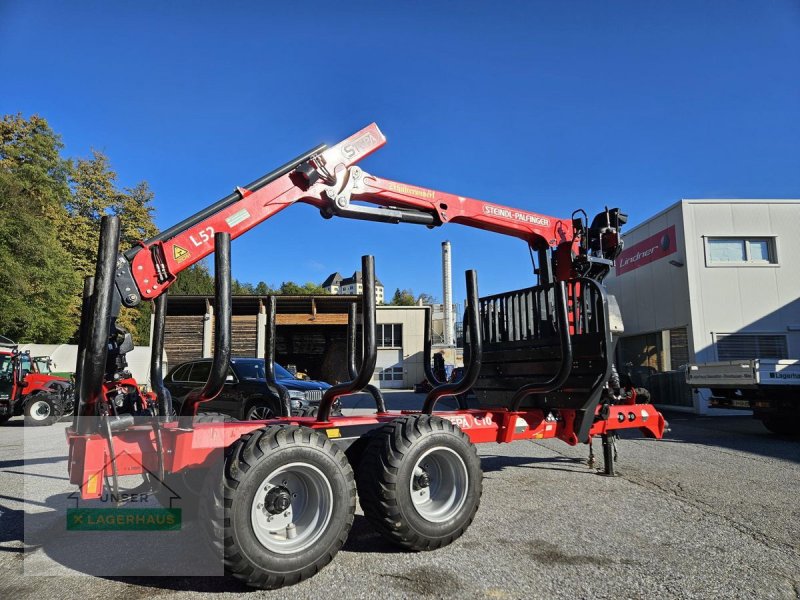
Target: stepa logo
[{"x": 136, "y": 512}]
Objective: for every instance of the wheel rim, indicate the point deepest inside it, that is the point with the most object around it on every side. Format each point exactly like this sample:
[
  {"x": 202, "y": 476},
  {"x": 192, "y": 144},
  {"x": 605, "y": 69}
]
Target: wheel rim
[
  {"x": 304, "y": 520},
  {"x": 40, "y": 410},
  {"x": 260, "y": 413},
  {"x": 439, "y": 484}
]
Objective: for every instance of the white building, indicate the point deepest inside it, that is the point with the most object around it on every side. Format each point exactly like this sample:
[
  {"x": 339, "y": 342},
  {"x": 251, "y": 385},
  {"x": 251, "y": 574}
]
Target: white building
[
  {"x": 708, "y": 280},
  {"x": 336, "y": 284},
  {"x": 401, "y": 346}
]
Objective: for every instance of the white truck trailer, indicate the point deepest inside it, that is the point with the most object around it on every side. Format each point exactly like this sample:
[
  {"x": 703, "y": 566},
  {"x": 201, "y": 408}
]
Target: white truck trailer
[{"x": 770, "y": 388}]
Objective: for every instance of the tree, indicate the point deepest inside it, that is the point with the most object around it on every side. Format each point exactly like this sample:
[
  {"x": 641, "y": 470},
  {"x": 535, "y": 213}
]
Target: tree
[
  {"x": 262, "y": 289},
  {"x": 403, "y": 298},
  {"x": 135, "y": 210},
  {"x": 37, "y": 286},
  {"x": 425, "y": 298},
  {"x": 290, "y": 288},
  {"x": 38, "y": 283},
  {"x": 94, "y": 195},
  {"x": 194, "y": 281}
]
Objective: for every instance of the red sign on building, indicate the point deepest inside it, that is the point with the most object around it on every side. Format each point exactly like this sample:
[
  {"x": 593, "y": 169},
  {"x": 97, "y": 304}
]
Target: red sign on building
[{"x": 657, "y": 246}]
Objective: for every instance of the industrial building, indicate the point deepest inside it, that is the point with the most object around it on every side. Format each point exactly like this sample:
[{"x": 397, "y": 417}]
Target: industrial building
[
  {"x": 311, "y": 335},
  {"x": 703, "y": 281},
  {"x": 311, "y": 331}
]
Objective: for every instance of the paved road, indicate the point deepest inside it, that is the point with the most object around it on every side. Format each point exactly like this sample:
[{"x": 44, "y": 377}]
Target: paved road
[{"x": 710, "y": 512}]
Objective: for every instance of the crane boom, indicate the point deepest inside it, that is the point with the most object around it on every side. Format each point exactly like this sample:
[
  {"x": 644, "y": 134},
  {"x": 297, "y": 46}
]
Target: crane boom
[{"x": 327, "y": 178}]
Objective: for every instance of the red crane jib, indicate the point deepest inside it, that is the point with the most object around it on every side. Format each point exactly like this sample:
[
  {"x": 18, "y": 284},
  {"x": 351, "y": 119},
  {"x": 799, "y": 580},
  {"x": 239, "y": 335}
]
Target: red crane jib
[{"x": 335, "y": 179}]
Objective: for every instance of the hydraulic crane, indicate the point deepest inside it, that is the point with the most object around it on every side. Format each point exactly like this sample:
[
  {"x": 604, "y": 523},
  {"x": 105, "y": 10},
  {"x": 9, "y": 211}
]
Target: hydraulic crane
[{"x": 538, "y": 360}]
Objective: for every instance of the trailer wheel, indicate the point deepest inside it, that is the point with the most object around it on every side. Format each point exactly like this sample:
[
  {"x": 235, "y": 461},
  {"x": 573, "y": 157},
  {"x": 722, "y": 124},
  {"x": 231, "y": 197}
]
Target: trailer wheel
[
  {"x": 285, "y": 506},
  {"x": 41, "y": 409},
  {"x": 420, "y": 482}
]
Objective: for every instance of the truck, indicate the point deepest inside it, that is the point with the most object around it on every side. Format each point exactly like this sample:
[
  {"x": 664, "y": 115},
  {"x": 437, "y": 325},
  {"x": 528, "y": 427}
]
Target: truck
[
  {"x": 277, "y": 497},
  {"x": 768, "y": 387}
]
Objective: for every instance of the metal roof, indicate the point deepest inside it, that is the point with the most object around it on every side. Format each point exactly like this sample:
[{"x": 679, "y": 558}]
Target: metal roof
[{"x": 250, "y": 305}]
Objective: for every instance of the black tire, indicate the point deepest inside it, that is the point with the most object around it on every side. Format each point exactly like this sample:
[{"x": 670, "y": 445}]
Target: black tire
[
  {"x": 42, "y": 409},
  {"x": 399, "y": 454},
  {"x": 189, "y": 484},
  {"x": 355, "y": 451},
  {"x": 642, "y": 396},
  {"x": 313, "y": 411},
  {"x": 260, "y": 410},
  {"x": 234, "y": 514},
  {"x": 781, "y": 425}
]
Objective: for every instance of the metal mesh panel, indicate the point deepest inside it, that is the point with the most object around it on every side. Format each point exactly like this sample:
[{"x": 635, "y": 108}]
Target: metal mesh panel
[{"x": 738, "y": 346}]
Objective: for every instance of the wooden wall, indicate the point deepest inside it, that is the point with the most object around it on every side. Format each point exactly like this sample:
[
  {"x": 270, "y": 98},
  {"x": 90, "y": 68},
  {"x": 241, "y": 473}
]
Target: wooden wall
[{"x": 183, "y": 338}]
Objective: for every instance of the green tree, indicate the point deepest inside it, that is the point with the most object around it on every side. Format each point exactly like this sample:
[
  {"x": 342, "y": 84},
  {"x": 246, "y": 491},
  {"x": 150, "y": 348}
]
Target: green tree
[
  {"x": 94, "y": 195},
  {"x": 262, "y": 289},
  {"x": 403, "y": 298},
  {"x": 290, "y": 288},
  {"x": 136, "y": 212},
  {"x": 37, "y": 287},
  {"x": 38, "y": 283},
  {"x": 194, "y": 281}
]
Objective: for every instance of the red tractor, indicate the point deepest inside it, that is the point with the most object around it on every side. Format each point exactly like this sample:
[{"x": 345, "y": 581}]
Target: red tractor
[
  {"x": 277, "y": 497},
  {"x": 26, "y": 389}
]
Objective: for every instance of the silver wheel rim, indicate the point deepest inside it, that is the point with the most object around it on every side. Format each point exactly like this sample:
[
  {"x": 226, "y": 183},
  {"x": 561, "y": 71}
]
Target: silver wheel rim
[
  {"x": 305, "y": 520},
  {"x": 260, "y": 413},
  {"x": 40, "y": 410},
  {"x": 446, "y": 491}
]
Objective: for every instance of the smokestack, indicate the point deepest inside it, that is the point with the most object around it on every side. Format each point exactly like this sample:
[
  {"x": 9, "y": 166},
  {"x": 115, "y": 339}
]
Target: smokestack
[{"x": 447, "y": 292}]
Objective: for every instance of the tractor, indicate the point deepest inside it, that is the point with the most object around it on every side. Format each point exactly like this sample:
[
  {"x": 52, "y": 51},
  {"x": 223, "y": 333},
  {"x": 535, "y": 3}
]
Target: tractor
[
  {"x": 28, "y": 388},
  {"x": 277, "y": 497}
]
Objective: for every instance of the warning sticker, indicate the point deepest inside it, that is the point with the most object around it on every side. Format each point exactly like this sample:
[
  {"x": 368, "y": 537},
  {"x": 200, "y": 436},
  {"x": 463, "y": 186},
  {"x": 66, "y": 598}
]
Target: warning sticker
[{"x": 180, "y": 254}]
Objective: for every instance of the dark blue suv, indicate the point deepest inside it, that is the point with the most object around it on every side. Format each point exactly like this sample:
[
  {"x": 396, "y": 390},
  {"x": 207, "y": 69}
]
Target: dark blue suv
[{"x": 245, "y": 396}]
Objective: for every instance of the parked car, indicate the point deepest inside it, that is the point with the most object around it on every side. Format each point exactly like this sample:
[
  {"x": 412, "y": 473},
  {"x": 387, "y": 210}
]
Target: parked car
[{"x": 246, "y": 396}]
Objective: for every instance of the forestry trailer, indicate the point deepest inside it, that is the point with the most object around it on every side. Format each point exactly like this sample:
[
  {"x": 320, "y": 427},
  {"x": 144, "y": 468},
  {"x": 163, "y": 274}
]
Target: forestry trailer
[{"x": 281, "y": 501}]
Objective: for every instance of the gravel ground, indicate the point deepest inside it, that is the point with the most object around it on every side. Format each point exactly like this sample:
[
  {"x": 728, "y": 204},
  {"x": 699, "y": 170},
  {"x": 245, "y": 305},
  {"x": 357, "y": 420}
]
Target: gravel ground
[{"x": 711, "y": 511}]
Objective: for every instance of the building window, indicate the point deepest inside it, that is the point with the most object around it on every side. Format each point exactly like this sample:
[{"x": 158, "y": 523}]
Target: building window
[
  {"x": 391, "y": 374},
  {"x": 739, "y": 346},
  {"x": 390, "y": 335},
  {"x": 740, "y": 251}
]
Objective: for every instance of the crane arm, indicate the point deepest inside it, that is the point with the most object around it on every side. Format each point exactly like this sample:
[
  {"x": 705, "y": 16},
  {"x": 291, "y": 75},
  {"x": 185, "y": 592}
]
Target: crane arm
[{"x": 328, "y": 179}]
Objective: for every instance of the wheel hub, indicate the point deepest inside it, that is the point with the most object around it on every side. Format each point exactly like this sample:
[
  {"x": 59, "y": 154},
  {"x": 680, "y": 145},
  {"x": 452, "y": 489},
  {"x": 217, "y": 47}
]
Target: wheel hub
[
  {"x": 292, "y": 508},
  {"x": 439, "y": 484},
  {"x": 278, "y": 500},
  {"x": 422, "y": 480}
]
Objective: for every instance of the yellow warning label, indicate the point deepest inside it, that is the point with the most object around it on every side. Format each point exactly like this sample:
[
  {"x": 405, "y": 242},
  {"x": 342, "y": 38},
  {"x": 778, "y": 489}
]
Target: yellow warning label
[
  {"x": 180, "y": 254},
  {"x": 333, "y": 432}
]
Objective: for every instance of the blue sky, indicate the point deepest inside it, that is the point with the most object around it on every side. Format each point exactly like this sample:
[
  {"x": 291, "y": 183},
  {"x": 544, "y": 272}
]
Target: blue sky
[{"x": 548, "y": 106}]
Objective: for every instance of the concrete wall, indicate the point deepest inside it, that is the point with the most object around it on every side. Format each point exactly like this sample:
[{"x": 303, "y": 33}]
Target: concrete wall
[
  {"x": 66, "y": 355},
  {"x": 654, "y": 296},
  {"x": 737, "y": 298},
  {"x": 713, "y": 299},
  {"x": 412, "y": 319}
]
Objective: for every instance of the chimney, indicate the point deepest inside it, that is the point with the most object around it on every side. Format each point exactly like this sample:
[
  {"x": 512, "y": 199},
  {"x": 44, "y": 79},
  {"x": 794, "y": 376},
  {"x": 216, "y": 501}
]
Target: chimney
[{"x": 447, "y": 292}]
